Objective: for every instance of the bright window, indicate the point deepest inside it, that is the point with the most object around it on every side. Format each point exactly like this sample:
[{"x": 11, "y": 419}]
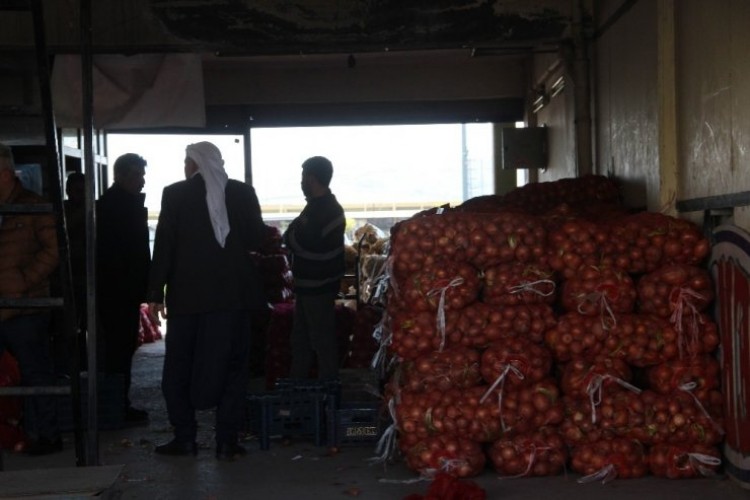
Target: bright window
[{"x": 381, "y": 173}]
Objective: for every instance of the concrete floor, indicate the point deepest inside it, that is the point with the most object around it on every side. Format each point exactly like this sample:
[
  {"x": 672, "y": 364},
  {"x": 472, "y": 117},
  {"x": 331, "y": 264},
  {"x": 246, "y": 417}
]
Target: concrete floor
[{"x": 300, "y": 470}]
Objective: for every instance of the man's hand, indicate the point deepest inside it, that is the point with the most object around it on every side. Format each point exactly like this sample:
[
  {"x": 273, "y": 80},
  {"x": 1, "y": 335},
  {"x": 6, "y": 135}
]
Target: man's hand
[{"x": 156, "y": 309}]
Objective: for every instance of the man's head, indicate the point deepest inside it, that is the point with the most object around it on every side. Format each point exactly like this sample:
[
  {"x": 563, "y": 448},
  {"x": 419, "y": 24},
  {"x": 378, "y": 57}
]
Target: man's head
[
  {"x": 130, "y": 170},
  {"x": 316, "y": 176},
  {"x": 75, "y": 188},
  {"x": 203, "y": 156}
]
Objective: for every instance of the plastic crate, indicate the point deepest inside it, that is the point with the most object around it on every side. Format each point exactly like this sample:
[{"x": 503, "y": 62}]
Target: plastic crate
[
  {"x": 353, "y": 425},
  {"x": 294, "y": 409}
]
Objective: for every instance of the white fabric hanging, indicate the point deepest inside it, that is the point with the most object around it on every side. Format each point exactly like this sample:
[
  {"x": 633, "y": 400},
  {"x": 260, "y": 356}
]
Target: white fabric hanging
[
  {"x": 133, "y": 91},
  {"x": 211, "y": 166}
]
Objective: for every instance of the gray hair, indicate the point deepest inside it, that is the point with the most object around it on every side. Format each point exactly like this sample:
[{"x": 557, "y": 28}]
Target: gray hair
[{"x": 7, "y": 154}]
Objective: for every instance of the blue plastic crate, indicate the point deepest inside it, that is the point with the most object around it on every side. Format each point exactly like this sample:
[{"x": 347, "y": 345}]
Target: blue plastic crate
[
  {"x": 289, "y": 414},
  {"x": 359, "y": 424}
]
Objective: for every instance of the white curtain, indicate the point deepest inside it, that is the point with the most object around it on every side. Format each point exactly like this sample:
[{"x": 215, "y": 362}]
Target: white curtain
[{"x": 141, "y": 91}]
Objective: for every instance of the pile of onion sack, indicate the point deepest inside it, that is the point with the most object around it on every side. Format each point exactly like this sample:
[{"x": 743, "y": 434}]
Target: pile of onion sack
[{"x": 551, "y": 329}]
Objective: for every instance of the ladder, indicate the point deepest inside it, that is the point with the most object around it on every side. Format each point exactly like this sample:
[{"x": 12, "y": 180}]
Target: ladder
[{"x": 54, "y": 177}]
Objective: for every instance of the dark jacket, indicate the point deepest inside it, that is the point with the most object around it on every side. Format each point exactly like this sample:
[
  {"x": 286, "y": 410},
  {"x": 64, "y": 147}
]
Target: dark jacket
[
  {"x": 75, "y": 222},
  {"x": 28, "y": 252},
  {"x": 122, "y": 248},
  {"x": 199, "y": 275},
  {"x": 316, "y": 241}
]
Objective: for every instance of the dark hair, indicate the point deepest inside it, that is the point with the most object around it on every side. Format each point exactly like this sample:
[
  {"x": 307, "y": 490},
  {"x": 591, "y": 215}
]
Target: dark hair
[
  {"x": 128, "y": 163},
  {"x": 74, "y": 177},
  {"x": 319, "y": 167}
]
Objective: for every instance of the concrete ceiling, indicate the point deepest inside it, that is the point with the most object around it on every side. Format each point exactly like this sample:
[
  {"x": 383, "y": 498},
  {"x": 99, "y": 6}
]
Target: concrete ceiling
[{"x": 256, "y": 27}]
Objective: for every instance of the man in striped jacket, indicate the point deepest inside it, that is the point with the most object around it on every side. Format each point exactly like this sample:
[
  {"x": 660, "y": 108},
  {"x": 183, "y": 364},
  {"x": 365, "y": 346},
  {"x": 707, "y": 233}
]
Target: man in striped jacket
[{"x": 315, "y": 240}]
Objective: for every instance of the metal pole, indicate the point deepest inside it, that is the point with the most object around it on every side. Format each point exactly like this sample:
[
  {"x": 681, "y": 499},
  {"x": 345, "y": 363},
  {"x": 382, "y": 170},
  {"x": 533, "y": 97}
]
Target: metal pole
[
  {"x": 56, "y": 170},
  {"x": 87, "y": 117},
  {"x": 248, "y": 157},
  {"x": 582, "y": 93},
  {"x": 466, "y": 181}
]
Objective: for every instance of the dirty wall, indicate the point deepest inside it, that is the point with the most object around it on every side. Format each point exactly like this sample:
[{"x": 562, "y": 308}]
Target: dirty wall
[{"x": 708, "y": 152}]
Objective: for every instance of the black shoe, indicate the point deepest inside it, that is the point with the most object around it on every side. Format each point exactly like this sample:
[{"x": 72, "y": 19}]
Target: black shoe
[
  {"x": 45, "y": 446},
  {"x": 229, "y": 451},
  {"x": 177, "y": 448}
]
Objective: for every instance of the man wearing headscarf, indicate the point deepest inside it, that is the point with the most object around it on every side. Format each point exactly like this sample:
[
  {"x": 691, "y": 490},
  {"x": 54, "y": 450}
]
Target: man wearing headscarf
[{"x": 203, "y": 280}]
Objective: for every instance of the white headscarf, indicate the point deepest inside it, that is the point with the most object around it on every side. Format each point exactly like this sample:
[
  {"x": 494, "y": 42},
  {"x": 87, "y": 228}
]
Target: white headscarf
[{"x": 211, "y": 166}]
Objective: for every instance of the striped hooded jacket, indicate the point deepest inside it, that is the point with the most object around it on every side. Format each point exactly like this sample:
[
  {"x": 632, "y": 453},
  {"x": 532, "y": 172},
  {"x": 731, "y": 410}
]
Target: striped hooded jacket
[{"x": 316, "y": 241}]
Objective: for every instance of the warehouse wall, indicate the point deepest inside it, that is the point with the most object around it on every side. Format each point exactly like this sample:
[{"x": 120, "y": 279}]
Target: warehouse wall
[
  {"x": 712, "y": 101},
  {"x": 625, "y": 102},
  {"x": 557, "y": 116},
  {"x": 713, "y": 78},
  {"x": 374, "y": 77},
  {"x": 396, "y": 87}
]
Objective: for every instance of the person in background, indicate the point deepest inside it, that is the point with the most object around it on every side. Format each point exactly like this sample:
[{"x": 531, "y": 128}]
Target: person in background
[
  {"x": 75, "y": 220},
  {"x": 28, "y": 256},
  {"x": 207, "y": 228},
  {"x": 315, "y": 240},
  {"x": 123, "y": 257}
]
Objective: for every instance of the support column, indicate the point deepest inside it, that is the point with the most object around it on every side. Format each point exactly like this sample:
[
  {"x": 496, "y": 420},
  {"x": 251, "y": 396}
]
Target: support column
[
  {"x": 667, "y": 107},
  {"x": 582, "y": 92}
]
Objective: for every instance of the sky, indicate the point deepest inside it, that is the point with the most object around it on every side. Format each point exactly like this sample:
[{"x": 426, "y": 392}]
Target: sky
[{"x": 372, "y": 164}]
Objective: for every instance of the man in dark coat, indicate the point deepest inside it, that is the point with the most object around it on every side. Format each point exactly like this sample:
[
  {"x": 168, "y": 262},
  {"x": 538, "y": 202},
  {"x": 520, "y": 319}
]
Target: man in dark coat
[
  {"x": 123, "y": 258},
  {"x": 207, "y": 226},
  {"x": 75, "y": 220},
  {"x": 316, "y": 241}
]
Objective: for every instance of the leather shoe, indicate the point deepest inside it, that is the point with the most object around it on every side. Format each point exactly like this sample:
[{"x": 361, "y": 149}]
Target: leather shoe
[
  {"x": 45, "y": 446},
  {"x": 177, "y": 448},
  {"x": 229, "y": 451}
]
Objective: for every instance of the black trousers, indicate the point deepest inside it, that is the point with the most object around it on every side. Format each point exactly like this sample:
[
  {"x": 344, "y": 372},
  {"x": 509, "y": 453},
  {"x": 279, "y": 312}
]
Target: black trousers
[
  {"x": 206, "y": 366},
  {"x": 314, "y": 336},
  {"x": 118, "y": 326}
]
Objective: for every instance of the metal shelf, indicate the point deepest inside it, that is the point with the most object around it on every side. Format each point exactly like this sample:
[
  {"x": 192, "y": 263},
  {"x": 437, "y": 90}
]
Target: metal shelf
[{"x": 717, "y": 202}]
